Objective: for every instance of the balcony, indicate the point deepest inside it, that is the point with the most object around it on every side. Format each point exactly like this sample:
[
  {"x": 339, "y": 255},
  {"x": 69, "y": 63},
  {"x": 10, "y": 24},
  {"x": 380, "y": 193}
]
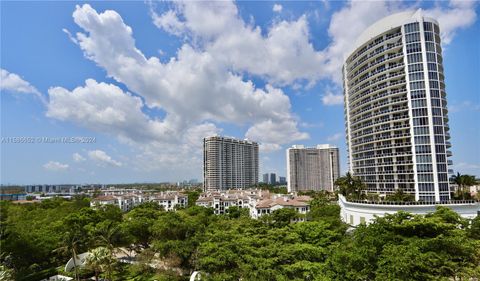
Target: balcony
[
  {"x": 376, "y": 97},
  {"x": 378, "y": 114},
  {"x": 396, "y": 154},
  {"x": 370, "y": 66},
  {"x": 360, "y": 61},
  {"x": 374, "y": 44},
  {"x": 396, "y": 145}
]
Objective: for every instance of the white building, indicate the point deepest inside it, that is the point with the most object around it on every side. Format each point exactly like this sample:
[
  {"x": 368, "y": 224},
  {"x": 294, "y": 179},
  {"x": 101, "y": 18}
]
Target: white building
[
  {"x": 396, "y": 110},
  {"x": 220, "y": 201},
  {"x": 301, "y": 204},
  {"x": 355, "y": 213},
  {"x": 258, "y": 202},
  {"x": 169, "y": 200},
  {"x": 229, "y": 163},
  {"x": 125, "y": 203},
  {"x": 312, "y": 168}
]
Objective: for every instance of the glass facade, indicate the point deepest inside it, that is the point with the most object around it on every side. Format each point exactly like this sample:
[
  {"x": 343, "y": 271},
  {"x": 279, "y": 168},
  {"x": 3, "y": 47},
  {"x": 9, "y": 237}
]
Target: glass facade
[{"x": 396, "y": 112}]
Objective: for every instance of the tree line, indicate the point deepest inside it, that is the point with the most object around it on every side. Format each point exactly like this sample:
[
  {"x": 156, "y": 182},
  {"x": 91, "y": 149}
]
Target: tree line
[{"x": 37, "y": 240}]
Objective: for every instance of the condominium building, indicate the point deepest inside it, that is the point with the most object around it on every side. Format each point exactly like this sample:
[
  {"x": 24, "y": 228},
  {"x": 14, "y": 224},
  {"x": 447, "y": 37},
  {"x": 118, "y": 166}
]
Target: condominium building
[
  {"x": 396, "y": 109},
  {"x": 229, "y": 163},
  {"x": 312, "y": 168},
  {"x": 258, "y": 202},
  {"x": 273, "y": 178},
  {"x": 270, "y": 178},
  {"x": 265, "y": 178},
  {"x": 129, "y": 198}
]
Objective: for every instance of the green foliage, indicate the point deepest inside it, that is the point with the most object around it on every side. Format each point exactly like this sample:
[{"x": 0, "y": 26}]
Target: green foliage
[
  {"x": 272, "y": 188},
  {"x": 193, "y": 196},
  {"x": 463, "y": 182},
  {"x": 351, "y": 186},
  {"x": 36, "y": 238},
  {"x": 407, "y": 247},
  {"x": 235, "y": 212},
  {"x": 474, "y": 229},
  {"x": 399, "y": 195}
]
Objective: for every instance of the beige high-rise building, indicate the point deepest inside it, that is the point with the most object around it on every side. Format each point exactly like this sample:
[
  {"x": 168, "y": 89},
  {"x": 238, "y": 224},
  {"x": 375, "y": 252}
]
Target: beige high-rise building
[
  {"x": 396, "y": 112},
  {"x": 312, "y": 168},
  {"x": 229, "y": 163}
]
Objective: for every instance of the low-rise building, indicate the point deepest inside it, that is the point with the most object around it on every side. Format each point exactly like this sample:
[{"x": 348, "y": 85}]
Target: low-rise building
[
  {"x": 126, "y": 201},
  {"x": 301, "y": 204},
  {"x": 220, "y": 201},
  {"x": 170, "y": 200},
  {"x": 258, "y": 202}
]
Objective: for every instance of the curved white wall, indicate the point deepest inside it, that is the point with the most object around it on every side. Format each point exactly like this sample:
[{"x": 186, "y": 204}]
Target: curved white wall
[{"x": 356, "y": 213}]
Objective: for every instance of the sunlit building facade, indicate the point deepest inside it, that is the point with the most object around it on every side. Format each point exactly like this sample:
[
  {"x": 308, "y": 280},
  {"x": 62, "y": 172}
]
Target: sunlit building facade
[
  {"x": 396, "y": 110},
  {"x": 229, "y": 163},
  {"x": 312, "y": 168}
]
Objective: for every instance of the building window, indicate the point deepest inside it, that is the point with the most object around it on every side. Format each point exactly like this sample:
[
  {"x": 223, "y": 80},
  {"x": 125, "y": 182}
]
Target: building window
[
  {"x": 417, "y": 85},
  {"x": 413, "y": 58},
  {"x": 415, "y": 67},
  {"x": 413, "y": 37},
  {"x": 411, "y": 27},
  {"x": 414, "y": 48},
  {"x": 418, "y": 94},
  {"x": 429, "y": 37},
  {"x": 416, "y": 76}
]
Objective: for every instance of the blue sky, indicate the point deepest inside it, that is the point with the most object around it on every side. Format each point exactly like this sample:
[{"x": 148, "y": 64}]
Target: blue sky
[{"x": 149, "y": 80}]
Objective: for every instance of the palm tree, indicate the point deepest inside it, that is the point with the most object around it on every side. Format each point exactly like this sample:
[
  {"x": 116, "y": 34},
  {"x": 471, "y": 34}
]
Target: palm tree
[
  {"x": 350, "y": 185},
  {"x": 109, "y": 235},
  {"x": 100, "y": 259},
  {"x": 70, "y": 244},
  {"x": 463, "y": 181}
]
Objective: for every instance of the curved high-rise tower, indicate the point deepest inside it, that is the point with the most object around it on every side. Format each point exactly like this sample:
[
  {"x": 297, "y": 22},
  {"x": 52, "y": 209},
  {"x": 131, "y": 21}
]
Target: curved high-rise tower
[{"x": 395, "y": 108}]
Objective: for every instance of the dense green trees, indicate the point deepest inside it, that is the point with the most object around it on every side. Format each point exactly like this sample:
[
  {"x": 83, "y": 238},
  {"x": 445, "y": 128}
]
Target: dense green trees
[
  {"x": 407, "y": 247},
  {"x": 170, "y": 245},
  {"x": 351, "y": 186},
  {"x": 463, "y": 182}
]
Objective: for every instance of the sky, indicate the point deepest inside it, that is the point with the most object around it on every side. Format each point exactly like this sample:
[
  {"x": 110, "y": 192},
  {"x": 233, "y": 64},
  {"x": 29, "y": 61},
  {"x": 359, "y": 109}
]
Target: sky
[{"x": 123, "y": 92}]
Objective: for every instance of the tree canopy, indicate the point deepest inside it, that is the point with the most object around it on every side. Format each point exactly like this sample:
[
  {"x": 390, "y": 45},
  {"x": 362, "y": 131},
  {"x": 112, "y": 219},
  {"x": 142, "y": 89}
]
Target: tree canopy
[{"x": 39, "y": 238}]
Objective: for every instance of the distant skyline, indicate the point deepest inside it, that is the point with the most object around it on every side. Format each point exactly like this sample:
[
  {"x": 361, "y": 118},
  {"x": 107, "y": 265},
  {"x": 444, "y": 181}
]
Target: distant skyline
[{"x": 126, "y": 91}]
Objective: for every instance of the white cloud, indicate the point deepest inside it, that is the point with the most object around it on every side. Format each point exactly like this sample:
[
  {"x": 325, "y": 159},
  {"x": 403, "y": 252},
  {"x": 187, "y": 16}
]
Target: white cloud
[
  {"x": 458, "y": 15},
  {"x": 285, "y": 54},
  {"x": 55, "y": 166},
  {"x": 356, "y": 16},
  {"x": 205, "y": 83},
  {"x": 193, "y": 88},
  {"x": 274, "y": 134},
  {"x": 106, "y": 108},
  {"x": 14, "y": 83},
  {"x": 277, "y": 8},
  {"x": 332, "y": 99},
  {"x": 77, "y": 157},
  {"x": 169, "y": 22},
  {"x": 102, "y": 158},
  {"x": 282, "y": 56},
  {"x": 70, "y": 36},
  {"x": 335, "y": 137}
]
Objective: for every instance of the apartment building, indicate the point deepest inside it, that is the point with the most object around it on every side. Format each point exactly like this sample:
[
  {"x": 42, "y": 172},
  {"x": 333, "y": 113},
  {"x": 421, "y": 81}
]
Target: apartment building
[
  {"x": 312, "y": 168},
  {"x": 229, "y": 163},
  {"x": 396, "y": 113},
  {"x": 258, "y": 202}
]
